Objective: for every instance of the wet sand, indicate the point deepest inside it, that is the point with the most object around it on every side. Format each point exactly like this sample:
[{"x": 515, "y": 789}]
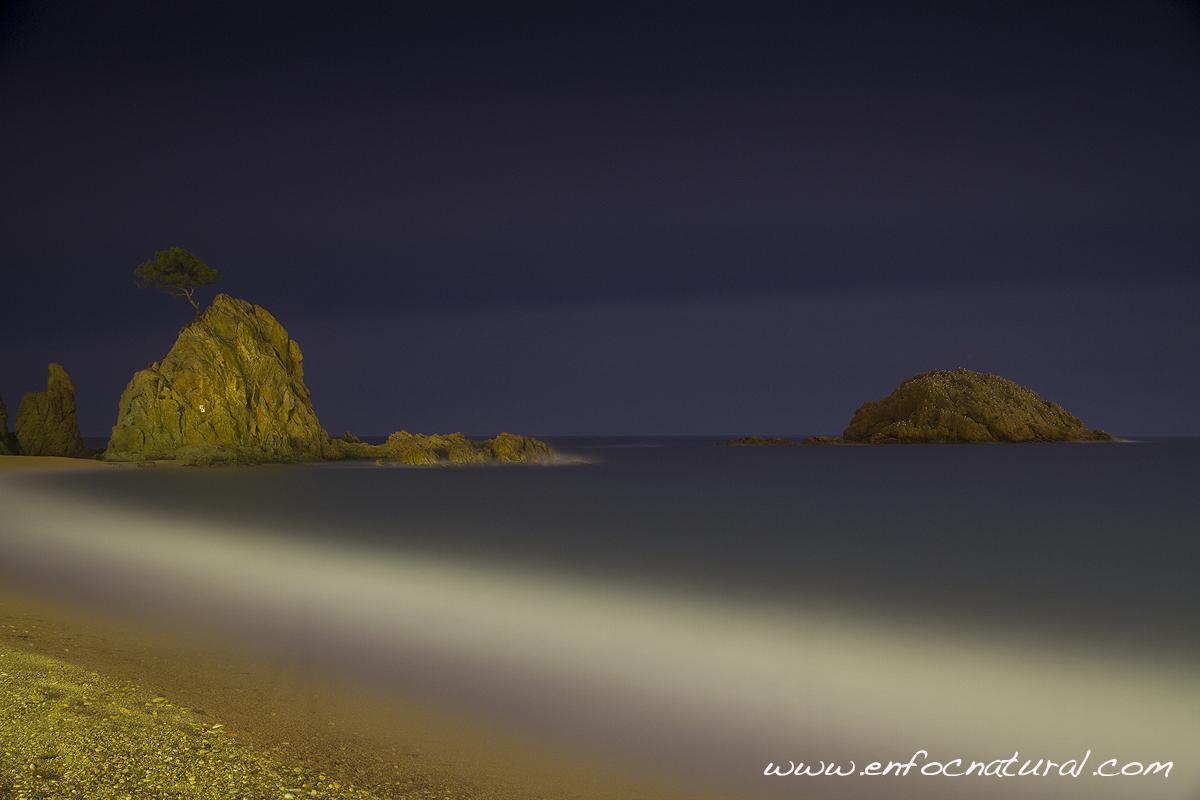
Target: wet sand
[{"x": 16, "y": 464}]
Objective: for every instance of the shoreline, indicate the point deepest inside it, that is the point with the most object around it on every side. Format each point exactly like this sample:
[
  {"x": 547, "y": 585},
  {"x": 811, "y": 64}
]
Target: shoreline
[
  {"x": 17, "y": 464},
  {"x": 279, "y": 720}
]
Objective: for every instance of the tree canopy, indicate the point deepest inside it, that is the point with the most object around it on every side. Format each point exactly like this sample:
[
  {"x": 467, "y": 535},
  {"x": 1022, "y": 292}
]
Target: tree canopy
[{"x": 176, "y": 272}]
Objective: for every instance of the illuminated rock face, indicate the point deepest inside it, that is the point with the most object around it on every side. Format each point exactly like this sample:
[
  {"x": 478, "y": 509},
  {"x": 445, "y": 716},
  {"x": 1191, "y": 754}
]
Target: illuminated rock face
[
  {"x": 8, "y": 442},
  {"x": 443, "y": 449},
  {"x": 46, "y": 423},
  {"x": 965, "y": 406},
  {"x": 511, "y": 448},
  {"x": 234, "y": 379}
]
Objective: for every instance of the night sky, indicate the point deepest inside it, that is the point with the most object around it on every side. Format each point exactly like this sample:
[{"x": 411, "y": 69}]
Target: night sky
[{"x": 601, "y": 219}]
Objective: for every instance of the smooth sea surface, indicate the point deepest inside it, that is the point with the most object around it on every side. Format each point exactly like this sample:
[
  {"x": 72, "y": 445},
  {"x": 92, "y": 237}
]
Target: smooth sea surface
[
  {"x": 1089, "y": 542},
  {"x": 687, "y": 609}
]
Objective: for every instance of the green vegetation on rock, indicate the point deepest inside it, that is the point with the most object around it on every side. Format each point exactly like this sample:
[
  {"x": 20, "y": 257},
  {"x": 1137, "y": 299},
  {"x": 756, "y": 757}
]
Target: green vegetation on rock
[
  {"x": 233, "y": 381},
  {"x": 178, "y": 273},
  {"x": 46, "y": 424},
  {"x": 965, "y": 406}
]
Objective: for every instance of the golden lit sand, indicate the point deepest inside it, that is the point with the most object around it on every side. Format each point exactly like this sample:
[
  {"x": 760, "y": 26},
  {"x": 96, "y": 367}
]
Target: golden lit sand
[
  {"x": 164, "y": 711},
  {"x": 72, "y": 733}
]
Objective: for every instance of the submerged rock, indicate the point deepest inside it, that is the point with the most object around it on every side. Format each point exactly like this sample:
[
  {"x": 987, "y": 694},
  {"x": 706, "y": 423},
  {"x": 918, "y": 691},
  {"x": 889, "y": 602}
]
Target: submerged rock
[
  {"x": 8, "y": 442},
  {"x": 965, "y": 406},
  {"x": 234, "y": 383},
  {"x": 46, "y": 424},
  {"x": 761, "y": 441},
  {"x": 417, "y": 449},
  {"x": 818, "y": 440}
]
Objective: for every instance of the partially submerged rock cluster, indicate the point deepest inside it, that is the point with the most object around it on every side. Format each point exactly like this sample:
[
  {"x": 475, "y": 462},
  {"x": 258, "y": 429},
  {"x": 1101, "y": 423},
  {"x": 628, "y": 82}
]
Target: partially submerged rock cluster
[
  {"x": 762, "y": 441},
  {"x": 416, "y": 449}
]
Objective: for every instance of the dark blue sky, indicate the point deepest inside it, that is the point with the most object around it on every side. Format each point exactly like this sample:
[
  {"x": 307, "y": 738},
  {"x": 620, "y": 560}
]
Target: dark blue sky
[{"x": 692, "y": 218}]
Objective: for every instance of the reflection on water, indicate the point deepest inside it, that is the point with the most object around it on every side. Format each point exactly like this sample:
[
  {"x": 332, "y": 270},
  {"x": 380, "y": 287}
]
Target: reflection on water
[{"x": 1084, "y": 540}]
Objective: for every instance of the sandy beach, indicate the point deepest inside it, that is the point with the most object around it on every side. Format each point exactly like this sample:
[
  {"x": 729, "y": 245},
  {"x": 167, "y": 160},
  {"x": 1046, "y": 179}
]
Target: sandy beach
[{"x": 278, "y": 722}]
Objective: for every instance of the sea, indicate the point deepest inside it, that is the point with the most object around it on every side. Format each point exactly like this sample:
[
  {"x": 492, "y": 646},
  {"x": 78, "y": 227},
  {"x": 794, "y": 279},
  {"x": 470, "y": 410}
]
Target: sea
[
  {"x": 702, "y": 609},
  {"x": 1096, "y": 541}
]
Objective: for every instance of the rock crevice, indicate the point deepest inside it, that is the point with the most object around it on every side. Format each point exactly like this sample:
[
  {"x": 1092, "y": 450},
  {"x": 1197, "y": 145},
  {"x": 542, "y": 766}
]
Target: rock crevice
[{"x": 8, "y": 442}]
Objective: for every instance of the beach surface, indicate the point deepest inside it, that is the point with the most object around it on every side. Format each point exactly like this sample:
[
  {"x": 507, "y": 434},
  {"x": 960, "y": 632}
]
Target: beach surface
[
  {"x": 95, "y": 707},
  {"x": 17, "y": 464},
  {"x": 71, "y": 732}
]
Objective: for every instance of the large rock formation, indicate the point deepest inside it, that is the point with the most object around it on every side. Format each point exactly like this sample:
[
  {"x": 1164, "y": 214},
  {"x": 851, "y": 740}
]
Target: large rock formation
[
  {"x": 231, "y": 389},
  {"x": 965, "y": 406},
  {"x": 46, "y": 424},
  {"x": 8, "y": 442}
]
